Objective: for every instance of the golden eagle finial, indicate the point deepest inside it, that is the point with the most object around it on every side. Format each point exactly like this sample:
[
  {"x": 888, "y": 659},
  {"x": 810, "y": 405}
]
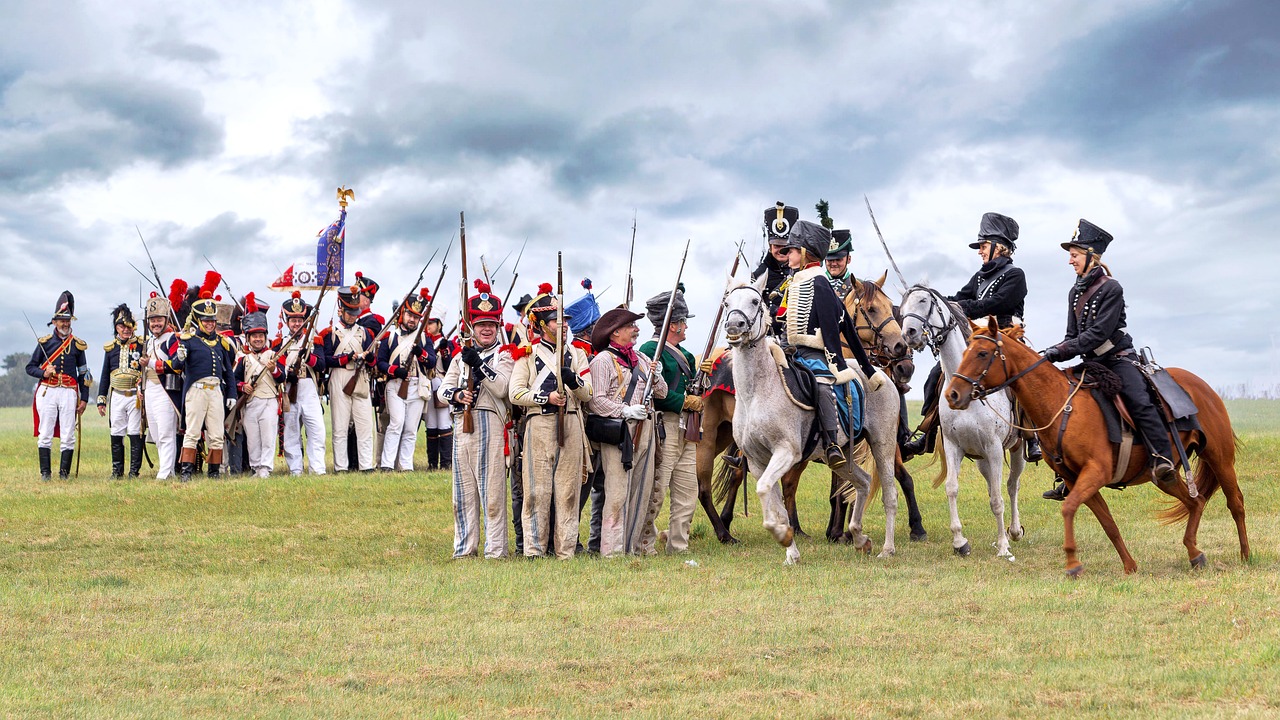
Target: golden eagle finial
[{"x": 345, "y": 195}]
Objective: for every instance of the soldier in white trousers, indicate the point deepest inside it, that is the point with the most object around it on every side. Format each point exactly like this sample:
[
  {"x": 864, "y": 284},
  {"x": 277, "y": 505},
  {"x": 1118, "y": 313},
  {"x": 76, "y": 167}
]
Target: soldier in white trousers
[
  {"x": 161, "y": 386},
  {"x": 256, "y": 375},
  {"x": 348, "y": 351},
  {"x": 118, "y": 388},
  {"x": 301, "y": 363},
  {"x": 477, "y": 385},
  {"x": 406, "y": 361},
  {"x": 59, "y": 363}
]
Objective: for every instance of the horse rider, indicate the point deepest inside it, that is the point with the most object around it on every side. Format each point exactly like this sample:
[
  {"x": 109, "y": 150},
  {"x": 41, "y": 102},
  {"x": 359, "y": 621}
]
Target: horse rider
[
  {"x": 815, "y": 319},
  {"x": 839, "y": 273},
  {"x": 404, "y": 358},
  {"x": 60, "y": 364},
  {"x": 778, "y": 221},
  {"x": 206, "y": 360},
  {"x": 1097, "y": 332},
  {"x": 999, "y": 288},
  {"x": 162, "y": 384},
  {"x": 303, "y": 366},
  {"x": 118, "y": 386}
]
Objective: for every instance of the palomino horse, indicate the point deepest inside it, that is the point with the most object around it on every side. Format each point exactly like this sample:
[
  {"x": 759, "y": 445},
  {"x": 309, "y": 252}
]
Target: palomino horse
[
  {"x": 772, "y": 431},
  {"x": 1073, "y": 434},
  {"x": 874, "y": 320},
  {"x": 982, "y": 433}
]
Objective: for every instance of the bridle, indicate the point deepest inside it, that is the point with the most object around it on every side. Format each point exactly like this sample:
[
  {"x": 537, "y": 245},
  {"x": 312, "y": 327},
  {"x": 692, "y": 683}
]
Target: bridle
[
  {"x": 935, "y": 336},
  {"x": 751, "y": 321},
  {"x": 979, "y": 391},
  {"x": 877, "y": 353}
]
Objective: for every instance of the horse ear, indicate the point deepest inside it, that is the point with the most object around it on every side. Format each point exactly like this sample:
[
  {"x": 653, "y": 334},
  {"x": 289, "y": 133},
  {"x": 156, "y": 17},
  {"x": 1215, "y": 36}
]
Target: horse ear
[
  {"x": 761, "y": 282},
  {"x": 993, "y": 324},
  {"x": 883, "y": 276}
]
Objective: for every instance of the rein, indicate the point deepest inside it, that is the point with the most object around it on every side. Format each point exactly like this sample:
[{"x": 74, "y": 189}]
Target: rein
[
  {"x": 877, "y": 353},
  {"x": 751, "y": 321},
  {"x": 935, "y": 336},
  {"x": 980, "y": 393}
]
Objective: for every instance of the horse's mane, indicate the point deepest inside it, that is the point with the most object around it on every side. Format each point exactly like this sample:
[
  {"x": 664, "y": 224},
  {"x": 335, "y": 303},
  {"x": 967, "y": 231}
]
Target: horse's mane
[{"x": 963, "y": 320}]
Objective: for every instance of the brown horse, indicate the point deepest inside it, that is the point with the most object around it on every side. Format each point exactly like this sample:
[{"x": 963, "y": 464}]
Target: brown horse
[
  {"x": 1073, "y": 433},
  {"x": 877, "y": 326}
]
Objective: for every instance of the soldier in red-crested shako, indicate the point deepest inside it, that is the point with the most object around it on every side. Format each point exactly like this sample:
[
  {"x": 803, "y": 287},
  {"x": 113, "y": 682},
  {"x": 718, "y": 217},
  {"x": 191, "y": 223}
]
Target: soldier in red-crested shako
[
  {"x": 208, "y": 384},
  {"x": 60, "y": 364},
  {"x": 118, "y": 387},
  {"x": 257, "y": 373},
  {"x": 161, "y": 382},
  {"x": 348, "y": 350},
  {"x": 302, "y": 374},
  {"x": 367, "y": 289},
  {"x": 407, "y": 360},
  {"x": 477, "y": 382}
]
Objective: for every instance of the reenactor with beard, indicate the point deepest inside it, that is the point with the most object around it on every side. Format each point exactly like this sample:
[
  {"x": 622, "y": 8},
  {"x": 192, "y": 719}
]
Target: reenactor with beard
[
  {"x": 257, "y": 373},
  {"x": 477, "y": 383},
  {"x": 405, "y": 360},
  {"x": 118, "y": 386},
  {"x": 206, "y": 360},
  {"x": 301, "y": 378},
  {"x": 162, "y": 382},
  {"x": 60, "y": 364},
  {"x": 348, "y": 350}
]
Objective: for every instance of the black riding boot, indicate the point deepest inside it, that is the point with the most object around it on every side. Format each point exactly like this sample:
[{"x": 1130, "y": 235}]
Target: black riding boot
[
  {"x": 117, "y": 457},
  {"x": 64, "y": 471},
  {"x": 928, "y": 431},
  {"x": 830, "y": 423},
  {"x": 1032, "y": 449},
  {"x": 215, "y": 462},
  {"x": 135, "y": 455},
  {"x": 733, "y": 457},
  {"x": 45, "y": 472},
  {"x": 1057, "y": 492}
]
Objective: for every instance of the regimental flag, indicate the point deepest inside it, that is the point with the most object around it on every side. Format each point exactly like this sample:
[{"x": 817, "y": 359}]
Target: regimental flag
[{"x": 331, "y": 244}]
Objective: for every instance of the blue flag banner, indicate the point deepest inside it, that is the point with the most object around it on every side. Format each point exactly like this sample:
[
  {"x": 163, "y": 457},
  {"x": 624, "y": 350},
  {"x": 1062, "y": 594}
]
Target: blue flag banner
[{"x": 330, "y": 245}]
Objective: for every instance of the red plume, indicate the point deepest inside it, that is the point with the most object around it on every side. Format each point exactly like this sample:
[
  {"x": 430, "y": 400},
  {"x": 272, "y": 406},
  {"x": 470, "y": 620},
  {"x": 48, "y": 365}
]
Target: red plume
[
  {"x": 359, "y": 274},
  {"x": 250, "y": 303},
  {"x": 211, "y": 280},
  {"x": 218, "y": 297},
  {"x": 154, "y": 293},
  {"x": 177, "y": 293},
  {"x": 206, "y": 295},
  {"x": 544, "y": 289},
  {"x": 424, "y": 294},
  {"x": 297, "y": 293},
  {"x": 483, "y": 286}
]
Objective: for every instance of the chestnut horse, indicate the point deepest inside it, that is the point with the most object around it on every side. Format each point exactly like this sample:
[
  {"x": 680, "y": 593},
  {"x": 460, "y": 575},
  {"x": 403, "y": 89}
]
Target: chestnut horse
[{"x": 1073, "y": 434}]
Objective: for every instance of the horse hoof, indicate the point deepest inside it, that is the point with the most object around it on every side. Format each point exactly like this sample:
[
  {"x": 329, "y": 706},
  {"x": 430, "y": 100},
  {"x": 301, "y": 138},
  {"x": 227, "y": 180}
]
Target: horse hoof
[
  {"x": 921, "y": 536},
  {"x": 729, "y": 540},
  {"x": 964, "y": 550},
  {"x": 1017, "y": 533},
  {"x": 802, "y": 534},
  {"x": 866, "y": 547},
  {"x": 886, "y": 554},
  {"x": 1198, "y": 561},
  {"x": 1075, "y": 572}
]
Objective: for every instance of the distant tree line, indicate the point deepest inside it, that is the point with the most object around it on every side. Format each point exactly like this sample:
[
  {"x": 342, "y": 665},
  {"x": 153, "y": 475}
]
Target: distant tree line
[{"x": 15, "y": 384}]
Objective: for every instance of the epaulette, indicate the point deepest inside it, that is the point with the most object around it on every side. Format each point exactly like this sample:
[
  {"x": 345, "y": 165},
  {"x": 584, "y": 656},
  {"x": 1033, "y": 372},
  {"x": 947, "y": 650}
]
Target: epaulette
[
  {"x": 109, "y": 346},
  {"x": 519, "y": 351},
  {"x": 226, "y": 344},
  {"x": 81, "y": 345},
  {"x": 381, "y": 320},
  {"x": 186, "y": 335},
  {"x": 44, "y": 339}
]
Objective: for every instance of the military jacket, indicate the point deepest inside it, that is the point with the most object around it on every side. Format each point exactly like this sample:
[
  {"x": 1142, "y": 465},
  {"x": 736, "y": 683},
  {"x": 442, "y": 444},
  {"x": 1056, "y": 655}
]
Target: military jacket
[
  {"x": 121, "y": 367},
  {"x": 68, "y": 359},
  {"x": 534, "y": 377},
  {"x": 674, "y": 374},
  {"x": 340, "y": 344},
  {"x": 1098, "y": 328},
  {"x": 207, "y": 356},
  {"x": 397, "y": 355},
  {"x": 843, "y": 284},
  {"x": 312, "y": 364},
  {"x": 998, "y": 288},
  {"x": 260, "y": 370},
  {"x": 492, "y": 384}
]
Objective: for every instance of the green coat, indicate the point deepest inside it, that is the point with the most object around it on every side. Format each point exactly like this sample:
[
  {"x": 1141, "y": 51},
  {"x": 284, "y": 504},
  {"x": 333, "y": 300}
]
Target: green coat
[{"x": 676, "y": 381}]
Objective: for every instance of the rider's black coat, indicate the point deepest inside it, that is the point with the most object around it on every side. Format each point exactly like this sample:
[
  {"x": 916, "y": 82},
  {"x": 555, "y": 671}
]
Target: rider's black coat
[{"x": 998, "y": 288}]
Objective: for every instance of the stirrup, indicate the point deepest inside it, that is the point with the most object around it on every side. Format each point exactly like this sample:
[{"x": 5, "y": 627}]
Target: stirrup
[
  {"x": 835, "y": 457},
  {"x": 733, "y": 461},
  {"x": 1057, "y": 492},
  {"x": 1163, "y": 470}
]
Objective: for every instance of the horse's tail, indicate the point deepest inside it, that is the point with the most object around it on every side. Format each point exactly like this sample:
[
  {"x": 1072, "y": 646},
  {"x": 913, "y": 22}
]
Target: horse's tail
[
  {"x": 939, "y": 456},
  {"x": 1207, "y": 483},
  {"x": 867, "y": 461},
  {"x": 722, "y": 480}
]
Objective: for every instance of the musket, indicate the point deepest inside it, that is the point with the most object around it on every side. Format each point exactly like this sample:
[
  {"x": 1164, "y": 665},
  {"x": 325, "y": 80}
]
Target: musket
[
  {"x": 560, "y": 411},
  {"x": 223, "y": 279},
  {"x": 498, "y": 267},
  {"x": 885, "y": 245},
  {"x": 484, "y": 267},
  {"x": 291, "y": 394},
  {"x": 464, "y": 327},
  {"x": 693, "y": 424},
  {"x": 647, "y": 395},
  {"x": 515, "y": 274},
  {"x": 350, "y": 387},
  {"x": 630, "y": 294},
  {"x": 173, "y": 311},
  {"x": 403, "y": 392},
  {"x": 144, "y": 277}
]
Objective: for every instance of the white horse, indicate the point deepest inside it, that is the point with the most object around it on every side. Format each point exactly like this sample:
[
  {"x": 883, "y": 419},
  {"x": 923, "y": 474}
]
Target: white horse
[
  {"x": 771, "y": 430},
  {"x": 981, "y": 432}
]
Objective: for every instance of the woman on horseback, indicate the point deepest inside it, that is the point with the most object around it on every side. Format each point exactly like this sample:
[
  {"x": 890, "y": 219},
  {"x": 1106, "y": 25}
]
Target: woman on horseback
[
  {"x": 1096, "y": 332},
  {"x": 999, "y": 288}
]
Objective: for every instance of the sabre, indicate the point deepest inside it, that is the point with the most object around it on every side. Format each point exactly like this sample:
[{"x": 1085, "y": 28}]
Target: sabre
[
  {"x": 885, "y": 245},
  {"x": 629, "y": 295},
  {"x": 223, "y": 278},
  {"x": 45, "y": 388}
]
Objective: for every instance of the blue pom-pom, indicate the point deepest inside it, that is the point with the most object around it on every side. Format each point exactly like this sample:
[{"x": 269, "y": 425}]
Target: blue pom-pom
[{"x": 586, "y": 283}]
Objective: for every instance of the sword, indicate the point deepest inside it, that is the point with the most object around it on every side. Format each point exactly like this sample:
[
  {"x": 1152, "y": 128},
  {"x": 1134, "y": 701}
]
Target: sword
[
  {"x": 45, "y": 388},
  {"x": 902, "y": 280},
  {"x": 223, "y": 278}
]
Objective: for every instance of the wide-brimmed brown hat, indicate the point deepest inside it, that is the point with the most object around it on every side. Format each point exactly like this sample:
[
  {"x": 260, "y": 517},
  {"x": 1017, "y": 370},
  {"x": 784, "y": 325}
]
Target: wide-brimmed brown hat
[{"x": 610, "y": 321}]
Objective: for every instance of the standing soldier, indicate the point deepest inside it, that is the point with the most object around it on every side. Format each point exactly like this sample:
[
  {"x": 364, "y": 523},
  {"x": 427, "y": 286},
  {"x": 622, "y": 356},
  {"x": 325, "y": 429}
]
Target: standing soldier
[
  {"x": 478, "y": 385},
  {"x": 678, "y": 472},
  {"x": 60, "y": 363},
  {"x": 118, "y": 387},
  {"x": 436, "y": 414},
  {"x": 235, "y": 453},
  {"x": 257, "y": 373},
  {"x": 206, "y": 360},
  {"x": 368, "y": 289},
  {"x": 348, "y": 352},
  {"x": 162, "y": 383},
  {"x": 582, "y": 315},
  {"x": 301, "y": 368},
  {"x": 405, "y": 361},
  {"x": 555, "y": 444}
]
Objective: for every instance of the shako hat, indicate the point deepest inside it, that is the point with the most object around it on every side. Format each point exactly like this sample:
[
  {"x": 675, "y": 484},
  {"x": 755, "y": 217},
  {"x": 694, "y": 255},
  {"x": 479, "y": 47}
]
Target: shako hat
[
  {"x": 1089, "y": 237},
  {"x": 122, "y": 315},
  {"x": 205, "y": 306},
  {"x": 610, "y": 321},
  {"x": 484, "y": 306},
  {"x": 255, "y": 317},
  {"x": 366, "y": 285},
  {"x": 225, "y": 313},
  {"x": 158, "y": 306},
  {"x": 66, "y": 307},
  {"x": 295, "y": 306},
  {"x": 810, "y": 237},
  {"x": 841, "y": 244},
  {"x": 349, "y": 297},
  {"x": 656, "y": 307},
  {"x": 997, "y": 228},
  {"x": 417, "y": 304},
  {"x": 778, "y": 221},
  {"x": 584, "y": 311},
  {"x": 542, "y": 306}
]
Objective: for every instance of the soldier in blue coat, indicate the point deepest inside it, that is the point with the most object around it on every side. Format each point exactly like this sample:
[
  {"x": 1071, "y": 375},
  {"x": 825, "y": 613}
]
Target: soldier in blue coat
[
  {"x": 207, "y": 362},
  {"x": 60, "y": 364}
]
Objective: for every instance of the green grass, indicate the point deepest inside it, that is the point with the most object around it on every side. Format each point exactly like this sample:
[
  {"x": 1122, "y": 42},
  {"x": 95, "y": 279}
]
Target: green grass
[{"x": 335, "y": 597}]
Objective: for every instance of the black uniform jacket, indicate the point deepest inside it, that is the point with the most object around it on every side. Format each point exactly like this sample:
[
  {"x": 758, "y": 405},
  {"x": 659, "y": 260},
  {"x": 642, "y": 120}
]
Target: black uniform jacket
[
  {"x": 69, "y": 361},
  {"x": 1099, "y": 328},
  {"x": 998, "y": 288},
  {"x": 207, "y": 356}
]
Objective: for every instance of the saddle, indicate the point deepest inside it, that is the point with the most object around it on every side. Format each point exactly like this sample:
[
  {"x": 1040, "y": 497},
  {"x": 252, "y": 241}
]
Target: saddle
[{"x": 801, "y": 385}]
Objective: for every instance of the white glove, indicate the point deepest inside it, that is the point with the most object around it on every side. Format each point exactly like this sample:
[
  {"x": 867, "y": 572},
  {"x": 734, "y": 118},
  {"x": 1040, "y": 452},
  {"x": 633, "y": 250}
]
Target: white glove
[
  {"x": 635, "y": 412},
  {"x": 182, "y": 352},
  {"x": 230, "y": 404},
  {"x": 876, "y": 381}
]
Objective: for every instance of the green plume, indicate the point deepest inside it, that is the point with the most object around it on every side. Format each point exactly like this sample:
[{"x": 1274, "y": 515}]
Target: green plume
[{"x": 822, "y": 208}]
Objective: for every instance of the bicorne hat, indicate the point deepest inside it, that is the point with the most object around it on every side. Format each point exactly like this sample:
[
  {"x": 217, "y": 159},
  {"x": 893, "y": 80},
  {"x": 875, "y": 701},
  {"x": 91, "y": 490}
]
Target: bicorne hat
[
  {"x": 122, "y": 315},
  {"x": 66, "y": 307}
]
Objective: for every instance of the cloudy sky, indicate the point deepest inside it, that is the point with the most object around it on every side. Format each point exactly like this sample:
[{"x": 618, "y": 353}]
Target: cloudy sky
[{"x": 223, "y": 128}]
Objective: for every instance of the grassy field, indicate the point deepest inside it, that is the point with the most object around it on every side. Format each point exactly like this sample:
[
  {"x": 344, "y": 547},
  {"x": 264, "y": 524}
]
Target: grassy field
[{"x": 336, "y": 597}]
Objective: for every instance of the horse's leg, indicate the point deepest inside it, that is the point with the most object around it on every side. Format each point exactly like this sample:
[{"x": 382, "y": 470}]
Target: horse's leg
[
  {"x": 862, "y": 494},
  {"x": 712, "y": 445},
  {"x": 908, "y": 485},
  {"x": 1090, "y": 478},
  {"x": 731, "y": 497},
  {"x": 1226, "y": 476},
  {"x": 882, "y": 411},
  {"x": 1098, "y": 505},
  {"x": 773, "y": 509},
  {"x": 953, "y": 455},
  {"x": 1195, "y": 510},
  {"x": 992, "y": 469},
  {"x": 790, "y": 482},
  {"x": 1017, "y": 463},
  {"x": 835, "y": 526}
]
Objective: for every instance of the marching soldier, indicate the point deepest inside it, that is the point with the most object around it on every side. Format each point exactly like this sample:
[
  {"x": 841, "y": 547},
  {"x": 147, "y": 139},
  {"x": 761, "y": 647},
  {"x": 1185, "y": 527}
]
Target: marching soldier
[
  {"x": 301, "y": 370},
  {"x": 479, "y": 385},
  {"x": 162, "y": 384},
  {"x": 1097, "y": 332},
  {"x": 206, "y": 360},
  {"x": 406, "y": 361},
  {"x": 257, "y": 373},
  {"x": 348, "y": 351},
  {"x": 118, "y": 387},
  {"x": 678, "y": 472},
  {"x": 60, "y": 364},
  {"x": 436, "y": 415},
  {"x": 999, "y": 288},
  {"x": 555, "y": 445},
  {"x": 839, "y": 274}
]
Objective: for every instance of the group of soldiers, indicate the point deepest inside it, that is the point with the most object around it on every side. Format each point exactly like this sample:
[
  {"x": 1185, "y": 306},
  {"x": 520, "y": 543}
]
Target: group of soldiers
[{"x": 558, "y": 409}]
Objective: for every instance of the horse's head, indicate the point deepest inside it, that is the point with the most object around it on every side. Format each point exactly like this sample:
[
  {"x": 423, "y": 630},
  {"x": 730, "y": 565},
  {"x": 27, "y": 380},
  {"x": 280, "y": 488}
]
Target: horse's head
[
  {"x": 876, "y": 323},
  {"x": 986, "y": 365},
  {"x": 746, "y": 312},
  {"x": 922, "y": 315}
]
